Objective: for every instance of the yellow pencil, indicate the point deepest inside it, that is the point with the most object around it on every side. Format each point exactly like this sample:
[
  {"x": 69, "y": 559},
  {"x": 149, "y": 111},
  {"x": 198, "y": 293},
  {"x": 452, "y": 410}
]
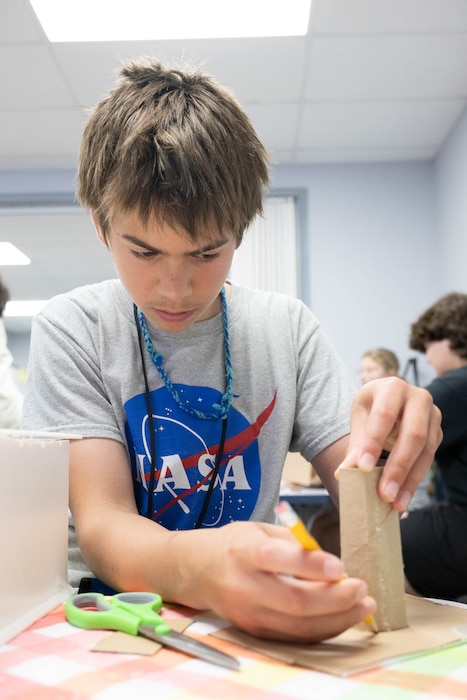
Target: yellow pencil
[{"x": 289, "y": 518}]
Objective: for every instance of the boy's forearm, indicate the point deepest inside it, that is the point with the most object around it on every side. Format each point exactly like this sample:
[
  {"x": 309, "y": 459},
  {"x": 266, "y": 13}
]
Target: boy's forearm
[{"x": 134, "y": 553}]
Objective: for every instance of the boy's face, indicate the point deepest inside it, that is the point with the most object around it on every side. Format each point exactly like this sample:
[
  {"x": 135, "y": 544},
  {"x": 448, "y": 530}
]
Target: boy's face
[
  {"x": 441, "y": 356},
  {"x": 172, "y": 279}
]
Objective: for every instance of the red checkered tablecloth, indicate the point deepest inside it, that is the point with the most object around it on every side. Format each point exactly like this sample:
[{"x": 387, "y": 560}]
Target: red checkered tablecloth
[{"x": 52, "y": 660}]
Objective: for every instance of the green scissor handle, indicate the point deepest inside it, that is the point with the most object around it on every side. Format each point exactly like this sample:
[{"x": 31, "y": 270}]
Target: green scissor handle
[
  {"x": 124, "y": 612},
  {"x": 146, "y": 606}
]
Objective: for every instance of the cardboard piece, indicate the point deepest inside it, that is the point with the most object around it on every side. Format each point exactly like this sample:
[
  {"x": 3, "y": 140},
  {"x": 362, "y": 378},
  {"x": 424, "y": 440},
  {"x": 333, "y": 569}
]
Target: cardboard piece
[
  {"x": 33, "y": 527},
  {"x": 122, "y": 643},
  {"x": 371, "y": 544},
  {"x": 297, "y": 470},
  {"x": 432, "y": 625}
]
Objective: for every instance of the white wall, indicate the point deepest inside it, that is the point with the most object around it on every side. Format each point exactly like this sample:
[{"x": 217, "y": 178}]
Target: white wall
[
  {"x": 451, "y": 186},
  {"x": 372, "y": 252}
]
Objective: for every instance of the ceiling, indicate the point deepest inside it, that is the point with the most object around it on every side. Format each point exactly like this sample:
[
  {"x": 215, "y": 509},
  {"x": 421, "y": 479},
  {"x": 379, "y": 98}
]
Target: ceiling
[{"x": 373, "y": 80}]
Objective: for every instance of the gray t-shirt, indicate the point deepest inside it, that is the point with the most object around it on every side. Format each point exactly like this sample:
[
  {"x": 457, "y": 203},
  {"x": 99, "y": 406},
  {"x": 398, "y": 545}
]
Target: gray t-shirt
[{"x": 290, "y": 392}]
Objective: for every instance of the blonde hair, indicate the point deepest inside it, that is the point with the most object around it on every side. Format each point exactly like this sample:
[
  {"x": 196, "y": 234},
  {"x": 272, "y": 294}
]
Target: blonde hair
[{"x": 384, "y": 357}]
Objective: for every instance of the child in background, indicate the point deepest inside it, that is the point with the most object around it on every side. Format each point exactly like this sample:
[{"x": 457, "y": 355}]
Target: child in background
[
  {"x": 433, "y": 538},
  {"x": 378, "y": 363}
]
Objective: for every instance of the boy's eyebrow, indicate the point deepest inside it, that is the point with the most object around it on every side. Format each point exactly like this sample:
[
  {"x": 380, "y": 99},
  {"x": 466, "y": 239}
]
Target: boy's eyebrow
[{"x": 205, "y": 249}]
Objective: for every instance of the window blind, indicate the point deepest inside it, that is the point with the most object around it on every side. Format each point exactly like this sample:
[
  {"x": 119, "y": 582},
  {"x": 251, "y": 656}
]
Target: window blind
[{"x": 267, "y": 257}]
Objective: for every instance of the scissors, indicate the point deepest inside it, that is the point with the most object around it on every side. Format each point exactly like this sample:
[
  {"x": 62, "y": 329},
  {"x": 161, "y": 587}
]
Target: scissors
[{"x": 137, "y": 613}]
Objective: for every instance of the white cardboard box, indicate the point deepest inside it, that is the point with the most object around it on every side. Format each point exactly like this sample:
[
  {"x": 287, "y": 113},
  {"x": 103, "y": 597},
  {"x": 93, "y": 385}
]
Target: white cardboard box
[{"x": 33, "y": 527}]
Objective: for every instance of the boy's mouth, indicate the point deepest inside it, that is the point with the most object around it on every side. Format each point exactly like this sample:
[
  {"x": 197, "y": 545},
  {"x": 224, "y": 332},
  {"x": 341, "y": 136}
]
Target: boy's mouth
[{"x": 174, "y": 316}]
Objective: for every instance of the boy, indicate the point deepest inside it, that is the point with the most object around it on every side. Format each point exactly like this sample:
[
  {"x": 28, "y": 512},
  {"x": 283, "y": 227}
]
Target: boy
[
  {"x": 189, "y": 390},
  {"x": 433, "y": 538}
]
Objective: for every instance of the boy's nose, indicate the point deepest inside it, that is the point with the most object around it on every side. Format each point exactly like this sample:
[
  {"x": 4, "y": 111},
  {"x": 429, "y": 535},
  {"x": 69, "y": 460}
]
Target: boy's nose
[{"x": 174, "y": 283}]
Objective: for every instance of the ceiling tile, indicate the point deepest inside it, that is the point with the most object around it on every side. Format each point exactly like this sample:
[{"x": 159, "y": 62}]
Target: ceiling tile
[
  {"x": 255, "y": 69},
  {"x": 30, "y": 79},
  {"x": 377, "y": 125},
  {"x": 388, "y": 17},
  {"x": 19, "y": 23},
  {"x": 40, "y": 138},
  {"x": 276, "y": 124},
  {"x": 390, "y": 67}
]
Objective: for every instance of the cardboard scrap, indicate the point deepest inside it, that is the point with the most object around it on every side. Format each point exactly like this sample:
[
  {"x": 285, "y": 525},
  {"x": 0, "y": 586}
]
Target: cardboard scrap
[
  {"x": 431, "y": 625},
  {"x": 371, "y": 544},
  {"x": 122, "y": 643},
  {"x": 297, "y": 470}
]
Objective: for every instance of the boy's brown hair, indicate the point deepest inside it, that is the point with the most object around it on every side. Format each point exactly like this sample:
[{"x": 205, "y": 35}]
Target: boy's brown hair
[
  {"x": 444, "y": 320},
  {"x": 174, "y": 144}
]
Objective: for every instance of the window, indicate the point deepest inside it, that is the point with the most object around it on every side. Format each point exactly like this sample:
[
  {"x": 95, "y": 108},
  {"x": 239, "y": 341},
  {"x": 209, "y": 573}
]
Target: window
[{"x": 267, "y": 258}]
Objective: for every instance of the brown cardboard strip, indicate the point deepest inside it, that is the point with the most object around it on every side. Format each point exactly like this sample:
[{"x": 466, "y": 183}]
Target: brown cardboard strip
[
  {"x": 371, "y": 544},
  {"x": 431, "y": 625},
  {"x": 122, "y": 643}
]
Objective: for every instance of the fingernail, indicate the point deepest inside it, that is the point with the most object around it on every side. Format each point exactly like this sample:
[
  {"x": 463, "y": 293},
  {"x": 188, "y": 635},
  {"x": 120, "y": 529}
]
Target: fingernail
[
  {"x": 404, "y": 499},
  {"x": 333, "y": 569},
  {"x": 366, "y": 461},
  {"x": 361, "y": 592},
  {"x": 391, "y": 490},
  {"x": 369, "y": 606}
]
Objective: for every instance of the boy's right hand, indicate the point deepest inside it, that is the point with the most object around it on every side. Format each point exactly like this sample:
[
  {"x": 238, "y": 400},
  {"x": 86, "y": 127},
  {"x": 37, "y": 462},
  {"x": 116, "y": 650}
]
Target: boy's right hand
[{"x": 259, "y": 578}]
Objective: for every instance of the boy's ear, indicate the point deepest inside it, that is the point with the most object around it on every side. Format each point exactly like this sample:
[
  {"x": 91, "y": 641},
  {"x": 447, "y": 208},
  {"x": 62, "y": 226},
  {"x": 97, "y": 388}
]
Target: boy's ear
[{"x": 97, "y": 226}]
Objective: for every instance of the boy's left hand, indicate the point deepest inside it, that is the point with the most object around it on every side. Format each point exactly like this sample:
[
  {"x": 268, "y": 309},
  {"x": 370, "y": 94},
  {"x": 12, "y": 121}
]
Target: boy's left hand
[{"x": 393, "y": 415}]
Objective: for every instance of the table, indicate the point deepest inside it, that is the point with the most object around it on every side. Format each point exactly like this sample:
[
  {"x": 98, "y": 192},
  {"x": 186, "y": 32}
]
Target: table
[
  {"x": 305, "y": 495},
  {"x": 52, "y": 660}
]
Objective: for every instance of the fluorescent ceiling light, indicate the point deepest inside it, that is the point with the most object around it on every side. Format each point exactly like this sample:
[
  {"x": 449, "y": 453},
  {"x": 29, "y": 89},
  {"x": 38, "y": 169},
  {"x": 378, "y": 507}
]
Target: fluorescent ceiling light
[
  {"x": 24, "y": 308},
  {"x": 11, "y": 255},
  {"x": 107, "y": 20}
]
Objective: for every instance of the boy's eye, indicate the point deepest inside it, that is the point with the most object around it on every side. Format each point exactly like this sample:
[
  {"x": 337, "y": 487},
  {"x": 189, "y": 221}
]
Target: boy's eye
[
  {"x": 149, "y": 254},
  {"x": 207, "y": 256},
  {"x": 144, "y": 254}
]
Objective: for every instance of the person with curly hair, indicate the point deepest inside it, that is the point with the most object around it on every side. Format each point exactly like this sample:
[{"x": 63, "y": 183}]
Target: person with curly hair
[
  {"x": 433, "y": 538},
  {"x": 11, "y": 398}
]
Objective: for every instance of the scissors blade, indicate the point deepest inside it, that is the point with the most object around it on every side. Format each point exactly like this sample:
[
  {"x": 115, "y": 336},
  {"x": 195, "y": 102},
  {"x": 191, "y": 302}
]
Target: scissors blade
[{"x": 193, "y": 647}]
